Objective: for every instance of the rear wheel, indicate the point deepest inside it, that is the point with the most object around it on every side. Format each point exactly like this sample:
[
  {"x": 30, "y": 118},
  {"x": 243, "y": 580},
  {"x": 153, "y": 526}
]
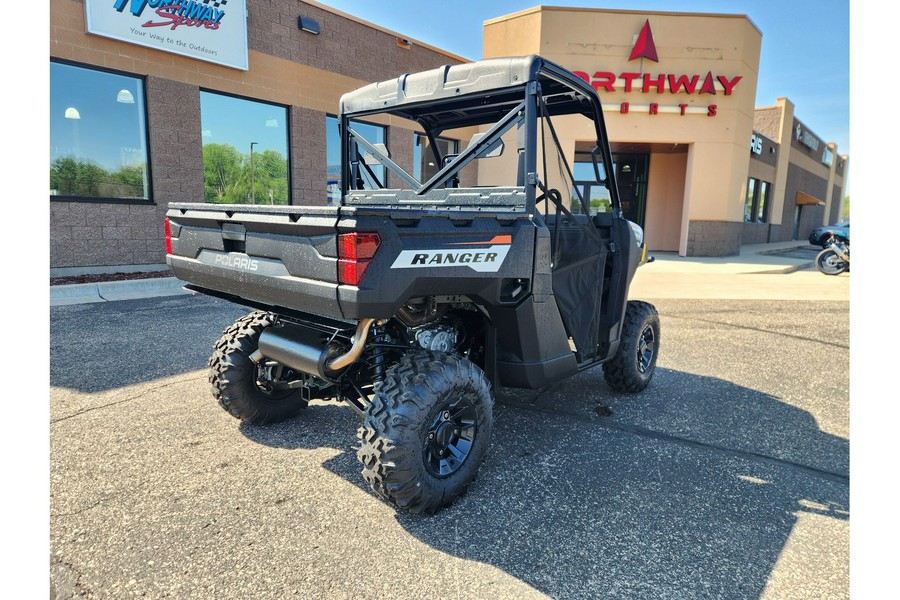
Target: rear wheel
[
  {"x": 244, "y": 388},
  {"x": 632, "y": 368},
  {"x": 828, "y": 262},
  {"x": 426, "y": 431}
]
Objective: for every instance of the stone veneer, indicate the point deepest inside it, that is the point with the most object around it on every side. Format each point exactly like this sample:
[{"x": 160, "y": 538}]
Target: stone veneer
[{"x": 714, "y": 238}]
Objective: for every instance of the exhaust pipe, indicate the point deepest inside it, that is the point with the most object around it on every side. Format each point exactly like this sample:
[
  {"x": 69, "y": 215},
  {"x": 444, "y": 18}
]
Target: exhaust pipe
[{"x": 301, "y": 349}]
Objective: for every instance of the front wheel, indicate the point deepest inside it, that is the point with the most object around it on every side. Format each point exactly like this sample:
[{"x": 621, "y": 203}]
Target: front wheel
[
  {"x": 828, "y": 262},
  {"x": 426, "y": 431},
  {"x": 632, "y": 368}
]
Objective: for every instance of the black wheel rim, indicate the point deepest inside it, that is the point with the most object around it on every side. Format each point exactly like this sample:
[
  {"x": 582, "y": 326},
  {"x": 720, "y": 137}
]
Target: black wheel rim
[
  {"x": 645, "y": 348},
  {"x": 449, "y": 439}
]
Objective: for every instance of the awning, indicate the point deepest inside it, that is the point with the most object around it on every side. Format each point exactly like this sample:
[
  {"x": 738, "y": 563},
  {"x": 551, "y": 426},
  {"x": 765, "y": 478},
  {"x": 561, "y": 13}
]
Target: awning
[{"x": 804, "y": 198}]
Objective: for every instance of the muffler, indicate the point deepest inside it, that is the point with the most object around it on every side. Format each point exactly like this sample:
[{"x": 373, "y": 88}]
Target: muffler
[{"x": 301, "y": 349}]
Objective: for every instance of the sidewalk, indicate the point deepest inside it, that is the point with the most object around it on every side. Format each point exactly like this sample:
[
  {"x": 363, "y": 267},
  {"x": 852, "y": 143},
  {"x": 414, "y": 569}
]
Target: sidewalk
[
  {"x": 749, "y": 275},
  {"x": 759, "y": 272}
]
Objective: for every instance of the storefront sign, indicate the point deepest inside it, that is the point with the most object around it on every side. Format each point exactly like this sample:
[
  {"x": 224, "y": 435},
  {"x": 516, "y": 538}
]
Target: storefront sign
[
  {"x": 807, "y": 139},
  {"x": 210, "y": 30},
  {"x": 659, "y": 83},
  {"x": 755, "y": 144}
]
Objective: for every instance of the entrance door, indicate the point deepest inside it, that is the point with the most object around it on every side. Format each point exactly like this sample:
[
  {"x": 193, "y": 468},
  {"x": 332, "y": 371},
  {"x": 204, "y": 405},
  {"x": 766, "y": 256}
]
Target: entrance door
[
  {"x": 631, "y": 174},
  {"x": 632, "y": 171}
]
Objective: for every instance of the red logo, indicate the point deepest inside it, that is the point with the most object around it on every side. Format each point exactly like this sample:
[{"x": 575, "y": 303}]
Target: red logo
[{"x": 644, "y": 47}]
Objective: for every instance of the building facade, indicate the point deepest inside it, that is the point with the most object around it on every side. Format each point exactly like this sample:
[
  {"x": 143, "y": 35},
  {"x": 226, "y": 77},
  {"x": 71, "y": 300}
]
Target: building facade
[
  {"x": 186, "y": 129},
  {"x": 679, "y": 94},
  {"x": 234, "y": 101}
]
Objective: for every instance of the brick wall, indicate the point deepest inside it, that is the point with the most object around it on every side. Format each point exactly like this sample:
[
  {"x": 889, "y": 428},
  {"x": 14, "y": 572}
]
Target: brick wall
[
  {"x": 755, "y": 233},
  {"x": 800, "y": 180},
  {"x": 714, "y": 238},
  {"x": 307, "y": 156},
  {"x": 343, "y": 45},
  {"x": 305, "y": 72},
  {"x": 767, "y": 121},
  {"x": 837, "y": 204}
]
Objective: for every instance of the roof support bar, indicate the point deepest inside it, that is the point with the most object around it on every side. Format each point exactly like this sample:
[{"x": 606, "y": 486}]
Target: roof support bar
[
  {"x": 383, "y": 159},
  {"x": 495, "y": 132}
]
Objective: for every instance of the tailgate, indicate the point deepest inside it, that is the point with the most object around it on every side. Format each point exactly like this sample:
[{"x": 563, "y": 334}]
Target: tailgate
[{"x": 276, "y": 255}]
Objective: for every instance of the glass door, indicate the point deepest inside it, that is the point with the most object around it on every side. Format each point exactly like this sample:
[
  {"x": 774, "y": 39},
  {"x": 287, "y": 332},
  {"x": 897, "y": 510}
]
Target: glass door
[{"x": 631, "y": 174}]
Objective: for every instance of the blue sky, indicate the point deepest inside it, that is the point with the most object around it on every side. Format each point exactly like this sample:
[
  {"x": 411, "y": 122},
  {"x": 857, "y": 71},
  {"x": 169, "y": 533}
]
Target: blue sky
[{"x": 805, "y": 50}]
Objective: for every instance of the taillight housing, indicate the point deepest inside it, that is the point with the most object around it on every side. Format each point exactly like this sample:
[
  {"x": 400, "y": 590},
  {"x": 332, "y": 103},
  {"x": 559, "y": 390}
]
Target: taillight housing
[
  {"x": 355, "y": 252},
  {"x": 168, "y": 236}
]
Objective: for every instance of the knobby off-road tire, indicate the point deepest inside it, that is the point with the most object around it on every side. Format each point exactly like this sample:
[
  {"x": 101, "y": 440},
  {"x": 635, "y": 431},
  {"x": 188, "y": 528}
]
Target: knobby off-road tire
[
  {"x": 426, "y": 431},
  {"x": 632, "y": 368},
  {"x": 234, "y": 376}
]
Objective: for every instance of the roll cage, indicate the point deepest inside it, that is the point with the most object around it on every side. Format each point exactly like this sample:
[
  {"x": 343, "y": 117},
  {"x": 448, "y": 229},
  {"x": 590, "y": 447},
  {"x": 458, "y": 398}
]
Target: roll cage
[{"x": 500, "y": 93}]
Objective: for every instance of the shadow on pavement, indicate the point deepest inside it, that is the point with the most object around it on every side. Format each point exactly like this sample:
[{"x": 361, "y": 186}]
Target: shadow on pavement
[
  {"x": 581, "y": 506},
  {"x": 92, "y": 346}
]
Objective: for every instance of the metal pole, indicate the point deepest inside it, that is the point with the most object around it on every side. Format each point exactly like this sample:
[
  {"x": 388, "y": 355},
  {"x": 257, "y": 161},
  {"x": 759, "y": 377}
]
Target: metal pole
[{"x": 252, "y": 181}]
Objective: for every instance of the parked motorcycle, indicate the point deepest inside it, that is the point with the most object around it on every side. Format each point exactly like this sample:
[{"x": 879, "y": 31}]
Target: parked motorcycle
[{"x": 835, "y": 258}]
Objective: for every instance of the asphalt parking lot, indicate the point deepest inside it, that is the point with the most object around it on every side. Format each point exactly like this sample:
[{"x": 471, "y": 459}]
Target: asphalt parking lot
[{"x": 727, "y": 478}]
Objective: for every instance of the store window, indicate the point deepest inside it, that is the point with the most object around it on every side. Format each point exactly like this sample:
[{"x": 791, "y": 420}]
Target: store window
[
  {"x": 245, "y": 150},
  {"x": 756, "y": 205},
  {"x": 425, "y": 165},
  {"x": 762, "y": 205},
  {"x": 585, "y": 180},
  {"x": 98, "y": 136},
  {"x": 748, "y": 202},
  {"x": 375, "y": 134}
]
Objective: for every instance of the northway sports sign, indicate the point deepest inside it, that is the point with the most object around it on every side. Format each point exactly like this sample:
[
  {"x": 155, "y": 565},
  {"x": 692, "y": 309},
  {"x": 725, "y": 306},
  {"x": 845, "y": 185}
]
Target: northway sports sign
[
  {"x": 210, "y": 30},
  {"x": 659, "y": 83}
]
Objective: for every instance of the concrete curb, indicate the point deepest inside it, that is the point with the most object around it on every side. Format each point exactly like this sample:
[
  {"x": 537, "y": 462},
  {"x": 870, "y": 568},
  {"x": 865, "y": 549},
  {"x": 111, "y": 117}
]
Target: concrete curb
[
  {"x": 762, "y": 259},
  {"x": 133, "y": 289}
]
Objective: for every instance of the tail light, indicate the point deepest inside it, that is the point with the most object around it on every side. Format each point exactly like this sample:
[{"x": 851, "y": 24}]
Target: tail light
[
  {"x": 168, "y": 236},
  {"x": 355, "y": 252}
]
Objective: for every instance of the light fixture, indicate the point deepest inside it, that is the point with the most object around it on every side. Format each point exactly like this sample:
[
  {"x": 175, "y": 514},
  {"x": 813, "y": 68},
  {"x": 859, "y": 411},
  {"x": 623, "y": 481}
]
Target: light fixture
[
  {"x": 404, "y": 43},
  {"x": 72, "y": 113},
  {"x": 308, "y": 25},
  {"x": 626, "y": 169},
  {"x": 272, "y": 122},
  {"x": 125, "y": 97}
]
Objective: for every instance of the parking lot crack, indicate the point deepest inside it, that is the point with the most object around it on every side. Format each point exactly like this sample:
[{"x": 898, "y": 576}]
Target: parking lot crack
[
  {"x": 666, "y": 437},
  {"x": 142, "y": 393},
  {"x": 828, "y": 342}
]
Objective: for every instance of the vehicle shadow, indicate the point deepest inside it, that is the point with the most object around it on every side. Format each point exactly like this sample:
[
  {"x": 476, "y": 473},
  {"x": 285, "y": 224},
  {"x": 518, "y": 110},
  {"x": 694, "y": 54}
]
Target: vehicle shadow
[
  {"x": 104, "y": 346},
  {"x": 579, "y": 505}
]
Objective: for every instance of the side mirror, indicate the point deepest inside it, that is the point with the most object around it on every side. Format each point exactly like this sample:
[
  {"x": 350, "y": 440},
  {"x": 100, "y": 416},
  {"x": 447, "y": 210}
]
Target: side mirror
[
  {"x": 492, "y": 151},
  {"x": 371, "y": 159}
]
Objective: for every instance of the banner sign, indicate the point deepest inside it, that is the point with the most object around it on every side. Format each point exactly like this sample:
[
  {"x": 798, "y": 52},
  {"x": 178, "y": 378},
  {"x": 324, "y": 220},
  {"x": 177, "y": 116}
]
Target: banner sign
[{"x": 210, "y": 30}]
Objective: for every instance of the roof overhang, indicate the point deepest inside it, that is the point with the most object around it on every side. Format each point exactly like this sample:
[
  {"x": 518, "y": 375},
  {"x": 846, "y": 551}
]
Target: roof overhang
[{"x": 804, "y": 199}]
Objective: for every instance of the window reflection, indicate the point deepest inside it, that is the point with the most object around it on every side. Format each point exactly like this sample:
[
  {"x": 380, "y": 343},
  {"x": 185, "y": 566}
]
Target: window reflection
[
  {"x": 245, "y": 150},
  {"x": 756, "y": 206},
  {"x": 425, "y": 164},
  {"x": 98, "y": 136},
  {"x": 749, "y": 203},
  {"x": 596, "y": 193},
  {"x": 375, "y": 134}
]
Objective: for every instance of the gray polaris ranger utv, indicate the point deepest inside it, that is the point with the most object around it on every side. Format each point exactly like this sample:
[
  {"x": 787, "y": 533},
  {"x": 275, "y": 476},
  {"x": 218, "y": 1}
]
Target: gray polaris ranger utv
[{"x": 411, "y": 302}]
